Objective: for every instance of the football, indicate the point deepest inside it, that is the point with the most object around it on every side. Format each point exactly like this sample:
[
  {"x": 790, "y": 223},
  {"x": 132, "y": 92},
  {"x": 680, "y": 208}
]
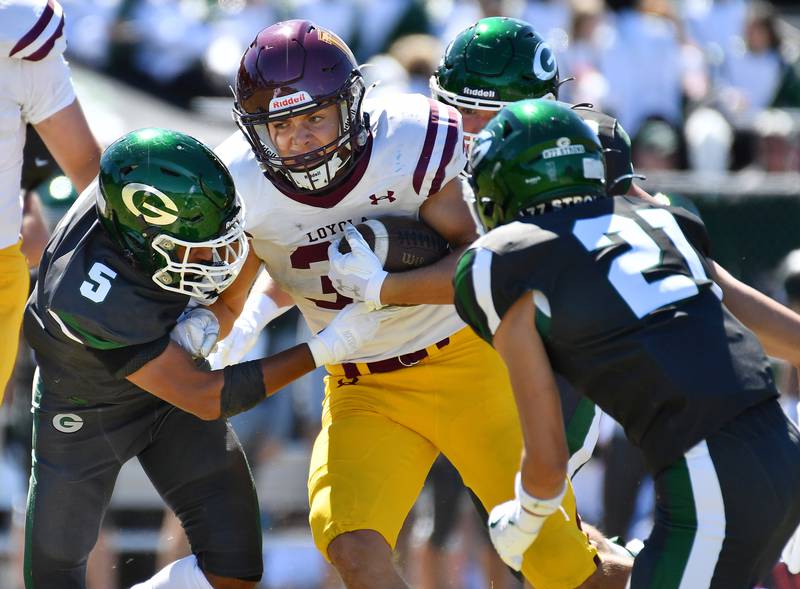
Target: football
[{"x": 401, "y": 243}]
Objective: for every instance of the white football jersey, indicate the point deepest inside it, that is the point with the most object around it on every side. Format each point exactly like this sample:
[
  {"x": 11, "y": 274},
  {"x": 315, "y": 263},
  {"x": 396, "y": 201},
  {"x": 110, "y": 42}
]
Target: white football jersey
[
  {"x": 416, "y": 148},
  {"x": 34, "y": 84}
]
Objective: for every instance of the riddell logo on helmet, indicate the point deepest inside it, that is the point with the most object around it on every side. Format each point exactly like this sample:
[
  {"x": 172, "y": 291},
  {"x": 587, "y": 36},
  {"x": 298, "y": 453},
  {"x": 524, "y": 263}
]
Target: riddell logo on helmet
[
  {"x": 289, "y": 100},
  {"x": 479, "y": 92}
]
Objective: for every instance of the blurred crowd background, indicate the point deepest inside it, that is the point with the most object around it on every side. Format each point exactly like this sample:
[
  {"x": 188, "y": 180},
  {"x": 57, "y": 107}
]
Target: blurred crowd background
[{"x": 709, "y": 91}]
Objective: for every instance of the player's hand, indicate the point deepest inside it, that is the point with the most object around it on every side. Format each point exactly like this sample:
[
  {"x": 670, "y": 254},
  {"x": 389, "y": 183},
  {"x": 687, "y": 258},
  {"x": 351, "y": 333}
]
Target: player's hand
[
  {"x": 258, "y": 311},
  {"x": 231, "y": 349},
  {"x": 359, "y": 273},
  {"x": 356, "y": 324},
  {"x": 514, "y": 525},
  {"x": 196, "y": 332}
]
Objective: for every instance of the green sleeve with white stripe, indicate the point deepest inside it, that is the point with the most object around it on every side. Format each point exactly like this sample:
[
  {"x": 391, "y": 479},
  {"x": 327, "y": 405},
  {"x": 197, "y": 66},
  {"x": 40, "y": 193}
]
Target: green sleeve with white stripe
[
  {"x": 485, "y": 288},
  {"x": 499, "y": 269},
  {"x": 467, "y": 305}
]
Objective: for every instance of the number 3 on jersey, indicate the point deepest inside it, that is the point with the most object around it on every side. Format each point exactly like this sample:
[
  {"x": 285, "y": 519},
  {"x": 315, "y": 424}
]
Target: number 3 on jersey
[
  {"x": 626, "y": 271},
  {"x": 303, "y": 257}
]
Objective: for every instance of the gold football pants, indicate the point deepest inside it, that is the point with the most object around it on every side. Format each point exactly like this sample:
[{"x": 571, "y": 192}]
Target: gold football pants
[
  {"x": 14, "y": 283},
  {"x": 381, "y": 433}
]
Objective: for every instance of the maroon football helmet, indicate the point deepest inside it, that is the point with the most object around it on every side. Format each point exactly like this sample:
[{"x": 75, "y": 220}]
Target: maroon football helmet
[{"x": 295, "y": 67}]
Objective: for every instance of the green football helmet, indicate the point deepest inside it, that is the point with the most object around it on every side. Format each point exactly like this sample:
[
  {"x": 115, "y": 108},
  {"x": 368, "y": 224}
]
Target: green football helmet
[
  {"x": 533, "y": 157},
  {"x": 493, "y": 63},
  {"x": 162, "y": 195}
]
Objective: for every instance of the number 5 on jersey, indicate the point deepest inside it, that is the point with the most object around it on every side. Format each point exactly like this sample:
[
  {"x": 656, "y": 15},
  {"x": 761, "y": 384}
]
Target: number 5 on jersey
[
  {"x": 626, "y": 271},
  {"x": 96, "y": 288}
]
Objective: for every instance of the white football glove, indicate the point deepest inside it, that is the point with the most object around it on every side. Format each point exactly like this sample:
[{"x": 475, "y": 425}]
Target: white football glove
[
  {"x": 258, "y": 311},
  {"x": 514, "y": 525},
  {"x": 196, "y": 332},
  {"x": 341, "y": 339},
  {"x": 358, "y": 274}
]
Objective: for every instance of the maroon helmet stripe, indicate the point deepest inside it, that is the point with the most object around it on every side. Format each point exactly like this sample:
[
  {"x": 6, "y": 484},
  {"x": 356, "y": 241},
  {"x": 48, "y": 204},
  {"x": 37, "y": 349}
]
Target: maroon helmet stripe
[
  {"x": 449, "y": 148},
  {"x": 42, "y": 52},
  {"x": 427, "y": 148},
  {"x": 33, "y": 34}
]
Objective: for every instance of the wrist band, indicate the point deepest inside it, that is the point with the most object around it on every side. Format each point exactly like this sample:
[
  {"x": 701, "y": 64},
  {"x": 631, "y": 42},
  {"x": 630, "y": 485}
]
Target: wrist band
[
  {"x": 243, "y": 388},
  {"x": 373, "y": 291},
  {"x": 535, "y": 505},
  {"x": 319, "y": 351}
]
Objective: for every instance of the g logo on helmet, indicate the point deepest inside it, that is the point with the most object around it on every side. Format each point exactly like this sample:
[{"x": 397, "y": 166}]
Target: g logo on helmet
[
  {"x": 480, "y": 147},
  {"x": 157, "y": 216},
  {"x": 67, "y": 422},
  {"x": 544, "y": 62}
]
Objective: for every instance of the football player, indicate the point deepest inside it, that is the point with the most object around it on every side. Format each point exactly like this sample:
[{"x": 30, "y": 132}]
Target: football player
[
  {"x": 618, "y": 295},
  {"x": 159, "y": 229},
  {"x": 488, "y": 65},
  {"x": 310, "y": 160},
  {"x": 499, "y": 60},
  {"x": 36, "y": 88}
]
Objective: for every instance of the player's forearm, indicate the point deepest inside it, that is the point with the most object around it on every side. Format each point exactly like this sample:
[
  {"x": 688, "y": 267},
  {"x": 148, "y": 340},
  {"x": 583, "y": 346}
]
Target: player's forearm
[
  {"x": 545, "y": 455},
  {"x": 230, "y": 303},
  {"x": 174, "y": 377},
  {"x": 235, "y": 389},
  {"x": 776, "y": 326},
  {"x": 285, "y": 367},
  {"x": 431, "y": 285}
]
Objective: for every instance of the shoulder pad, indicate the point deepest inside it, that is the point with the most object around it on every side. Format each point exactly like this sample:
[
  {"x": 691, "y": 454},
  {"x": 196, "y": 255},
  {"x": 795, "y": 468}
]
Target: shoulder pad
[
  {"x": 31, "y": 29},
  {"x": 488, "y": 279},
  {"x": 427, "y": 132},
  {"x": 258, "y": 193},
  {"x": 617, "y": 146}
]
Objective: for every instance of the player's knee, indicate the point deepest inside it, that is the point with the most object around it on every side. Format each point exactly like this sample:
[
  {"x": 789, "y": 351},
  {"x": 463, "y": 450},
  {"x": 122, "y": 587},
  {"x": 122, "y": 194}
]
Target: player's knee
[
  {"x": 48, "y": 554},
  {"x": 44, "y": 569},
  {"x": 358, "y": 553}
]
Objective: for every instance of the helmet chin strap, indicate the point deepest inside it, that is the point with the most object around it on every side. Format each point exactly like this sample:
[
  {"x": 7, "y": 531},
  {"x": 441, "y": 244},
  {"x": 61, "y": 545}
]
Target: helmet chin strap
[{"x": 319, "y": 177}]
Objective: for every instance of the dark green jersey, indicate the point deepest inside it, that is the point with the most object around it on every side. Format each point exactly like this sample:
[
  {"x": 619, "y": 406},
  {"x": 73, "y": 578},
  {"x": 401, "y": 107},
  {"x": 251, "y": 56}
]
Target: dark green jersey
[
  {"x": 93, "y": 318},
  {"x": 628, "y": 315}
]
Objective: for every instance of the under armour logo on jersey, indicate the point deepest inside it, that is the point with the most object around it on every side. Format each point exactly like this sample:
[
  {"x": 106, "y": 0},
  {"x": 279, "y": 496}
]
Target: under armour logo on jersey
[
  {"x": 374, "y": 198},
  {"x": 67, "y": 422},
  {"x": 343, "y": 382}
]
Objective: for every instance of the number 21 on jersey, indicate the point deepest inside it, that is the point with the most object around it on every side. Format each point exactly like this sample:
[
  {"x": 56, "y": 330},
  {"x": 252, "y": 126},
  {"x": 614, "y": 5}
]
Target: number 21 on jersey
[{"x": 626, "y": 271}]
